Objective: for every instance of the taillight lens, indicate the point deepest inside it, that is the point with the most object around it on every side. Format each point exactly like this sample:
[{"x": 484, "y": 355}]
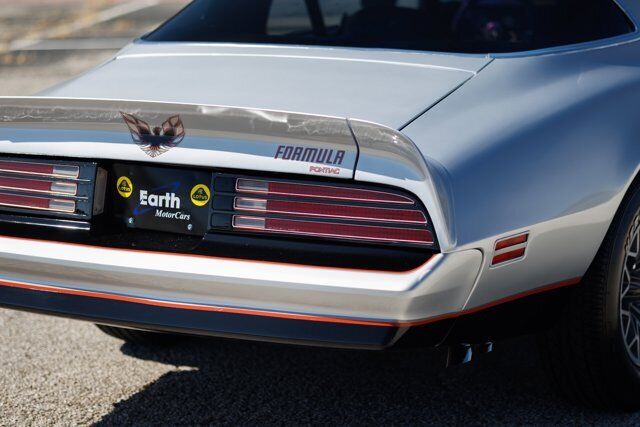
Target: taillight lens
[
  {"x": 45, "y": 169},
  {"x": 332, "y": 229},
  {"x": 38, "y": 186},
  {"x": 316, "y": 191},
  {"x": 47, "y": 187},
  {"x": 37, "y": 203},
  {"x": 329, "y": 211}
]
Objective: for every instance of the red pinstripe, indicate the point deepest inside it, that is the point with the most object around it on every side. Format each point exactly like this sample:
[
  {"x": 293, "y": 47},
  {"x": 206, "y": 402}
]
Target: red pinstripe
[{"x": 276, "y": 314}]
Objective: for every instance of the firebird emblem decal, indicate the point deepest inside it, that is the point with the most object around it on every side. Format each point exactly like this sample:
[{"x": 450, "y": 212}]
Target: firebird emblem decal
[{"x": 157, "y": 140}]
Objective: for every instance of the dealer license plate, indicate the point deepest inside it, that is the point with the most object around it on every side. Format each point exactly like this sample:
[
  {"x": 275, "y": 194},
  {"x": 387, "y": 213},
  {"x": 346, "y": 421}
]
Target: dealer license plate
[{"x": 162, "y": 199}]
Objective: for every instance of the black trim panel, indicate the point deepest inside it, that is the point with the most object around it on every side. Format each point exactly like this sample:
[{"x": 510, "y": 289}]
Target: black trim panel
[
  {"x": 198, "y": 322},
  {"x": 112, "y": 231}
]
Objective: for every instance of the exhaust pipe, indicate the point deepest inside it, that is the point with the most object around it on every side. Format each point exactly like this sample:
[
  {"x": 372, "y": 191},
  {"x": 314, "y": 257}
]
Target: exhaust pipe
[{"x": 461, "y": 354}]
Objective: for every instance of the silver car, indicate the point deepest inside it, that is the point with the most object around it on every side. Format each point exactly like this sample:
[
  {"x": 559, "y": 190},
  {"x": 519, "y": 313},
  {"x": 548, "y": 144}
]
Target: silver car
[{"x": 355, "y": 173}]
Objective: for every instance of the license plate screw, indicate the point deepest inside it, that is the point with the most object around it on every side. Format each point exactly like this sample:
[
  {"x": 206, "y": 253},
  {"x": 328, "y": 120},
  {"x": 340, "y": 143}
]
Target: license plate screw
[
  {"x": 130, "y": 221},
  {"x": 190, "y": 227}
]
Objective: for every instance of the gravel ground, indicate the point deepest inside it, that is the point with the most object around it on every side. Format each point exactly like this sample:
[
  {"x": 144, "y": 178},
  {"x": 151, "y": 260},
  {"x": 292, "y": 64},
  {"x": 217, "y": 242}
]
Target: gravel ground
[{"x": 62, "y": 372}]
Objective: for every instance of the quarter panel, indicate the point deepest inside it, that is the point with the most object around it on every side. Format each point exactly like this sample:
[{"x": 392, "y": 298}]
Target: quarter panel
[{"x": 545, "y": 144}]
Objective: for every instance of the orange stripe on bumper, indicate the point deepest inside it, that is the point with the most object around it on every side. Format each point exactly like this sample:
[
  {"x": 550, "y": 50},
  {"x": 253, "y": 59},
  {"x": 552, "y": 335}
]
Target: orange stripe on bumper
[{"x": 276, "y": 314}]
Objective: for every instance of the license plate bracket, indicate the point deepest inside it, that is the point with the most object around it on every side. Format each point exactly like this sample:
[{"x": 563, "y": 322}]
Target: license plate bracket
[{"x": 162, "y": 199}]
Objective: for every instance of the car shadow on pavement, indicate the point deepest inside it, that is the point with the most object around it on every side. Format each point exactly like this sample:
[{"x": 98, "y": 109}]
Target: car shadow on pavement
[{"x": 234, "y": 382}]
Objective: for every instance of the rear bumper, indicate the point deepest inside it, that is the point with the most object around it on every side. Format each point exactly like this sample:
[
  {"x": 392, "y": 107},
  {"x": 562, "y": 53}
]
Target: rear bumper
[
  {"x": 218, "y": 296},
  {"x": 120, "y": 313}
]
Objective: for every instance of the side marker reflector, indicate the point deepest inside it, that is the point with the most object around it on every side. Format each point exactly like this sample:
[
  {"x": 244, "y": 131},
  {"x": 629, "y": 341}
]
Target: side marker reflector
[
  {"x": 508, "y": 256},
  {"x": 511, "y": 241},
  {"x": 510, "y": 248}
]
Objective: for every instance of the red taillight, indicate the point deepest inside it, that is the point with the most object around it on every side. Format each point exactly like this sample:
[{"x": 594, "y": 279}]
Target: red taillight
[
  {"x": 277, "y": 188},
  {"x": 39, "y": 186},
  {"x": 37, "y": 203},
  {"x": 48, "y": 188},
  {"x": 332, "y": 229},
  {"x": 62, "y": 171},
  {"x": 329, "y": 211}
]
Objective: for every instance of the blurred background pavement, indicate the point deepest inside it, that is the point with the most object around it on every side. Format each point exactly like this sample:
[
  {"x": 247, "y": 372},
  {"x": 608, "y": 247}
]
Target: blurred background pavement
[{"x": 43, "y": 42}]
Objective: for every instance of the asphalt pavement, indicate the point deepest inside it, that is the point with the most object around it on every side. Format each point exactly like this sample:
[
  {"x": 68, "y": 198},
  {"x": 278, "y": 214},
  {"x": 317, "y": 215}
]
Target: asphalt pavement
[{"x": 62, "y": 372}]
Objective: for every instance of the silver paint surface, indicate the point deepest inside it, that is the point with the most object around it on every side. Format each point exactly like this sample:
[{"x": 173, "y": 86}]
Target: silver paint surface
[
  {"x": 545, "y": 144},
  {"x": 439, "y": 286},
  {"x": 388, "y": 88}
]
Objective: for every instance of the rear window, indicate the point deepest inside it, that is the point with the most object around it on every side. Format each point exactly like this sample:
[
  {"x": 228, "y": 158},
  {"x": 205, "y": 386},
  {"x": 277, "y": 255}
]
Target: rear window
[{"x": 464, "y": 26}]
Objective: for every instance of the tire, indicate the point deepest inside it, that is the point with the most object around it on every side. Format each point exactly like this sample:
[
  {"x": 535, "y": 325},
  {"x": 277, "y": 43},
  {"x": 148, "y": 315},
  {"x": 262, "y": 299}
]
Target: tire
[
  {"x": 139, "y": 338},
  {"x": 585, "y": 353}
]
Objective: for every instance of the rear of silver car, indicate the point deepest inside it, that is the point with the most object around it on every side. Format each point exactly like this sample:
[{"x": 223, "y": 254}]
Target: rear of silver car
[
  {"x": 218, "y": 237},
  {"x": 297, "y": 219}
]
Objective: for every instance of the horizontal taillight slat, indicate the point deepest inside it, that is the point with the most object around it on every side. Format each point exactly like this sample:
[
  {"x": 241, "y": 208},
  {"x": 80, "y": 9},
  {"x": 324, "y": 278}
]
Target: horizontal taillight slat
[
  {"x": 37, "y": 203},
  {"x": 45, "y": 169},
  {"x": 278, "y": 188},
  {"x": 326, "y": 210},
  {"x": 335, "y": 230},
  {"x": 21, "y": 184}
]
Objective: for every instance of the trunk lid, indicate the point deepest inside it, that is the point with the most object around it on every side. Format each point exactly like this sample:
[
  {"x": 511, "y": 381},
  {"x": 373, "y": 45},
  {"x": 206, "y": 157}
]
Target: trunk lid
[{"x": 386, "y": 87}]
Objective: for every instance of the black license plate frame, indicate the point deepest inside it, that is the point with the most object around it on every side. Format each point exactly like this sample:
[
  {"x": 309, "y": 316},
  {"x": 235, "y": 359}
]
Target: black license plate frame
[{"x": 164, "y": 199}]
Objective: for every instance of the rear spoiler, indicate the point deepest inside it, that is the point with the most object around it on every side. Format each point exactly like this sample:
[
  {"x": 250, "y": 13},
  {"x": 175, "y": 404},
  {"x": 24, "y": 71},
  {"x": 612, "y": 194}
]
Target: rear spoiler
[
  {"x": 227, "y": 138},
  {"x": 194, "y": 135}
]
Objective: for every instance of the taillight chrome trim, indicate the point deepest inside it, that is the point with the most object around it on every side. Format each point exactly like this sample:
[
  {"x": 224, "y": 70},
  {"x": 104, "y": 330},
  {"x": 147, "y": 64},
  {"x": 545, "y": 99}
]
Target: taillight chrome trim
[
  {"x": 66, "y": 171},
  {"x": 349, "y": 231},
  {"x": 66, "y": 188},
  {"x": 366, "y": 213},
  {"x": 61, "y": 205},
  {"x": 250, "y": 204},
  {"x": 257, "y": 186}
]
